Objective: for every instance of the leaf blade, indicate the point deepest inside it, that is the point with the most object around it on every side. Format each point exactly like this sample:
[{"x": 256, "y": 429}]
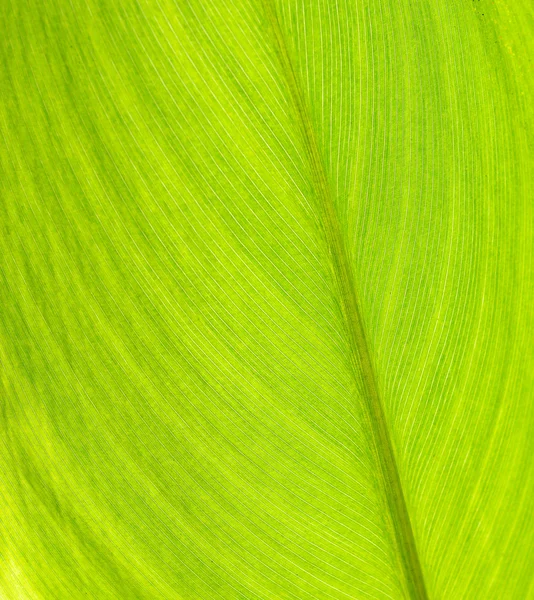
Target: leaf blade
[{"x": 174, "y": 331}]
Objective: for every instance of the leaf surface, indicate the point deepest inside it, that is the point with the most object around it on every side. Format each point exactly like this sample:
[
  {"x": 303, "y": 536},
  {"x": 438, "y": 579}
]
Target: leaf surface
[{"x": 267, "y": 300}]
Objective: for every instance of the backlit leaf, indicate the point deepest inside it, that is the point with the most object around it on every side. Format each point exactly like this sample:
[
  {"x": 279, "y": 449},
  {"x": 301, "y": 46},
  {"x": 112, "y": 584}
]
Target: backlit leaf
[{"x": 267, "y": 305}]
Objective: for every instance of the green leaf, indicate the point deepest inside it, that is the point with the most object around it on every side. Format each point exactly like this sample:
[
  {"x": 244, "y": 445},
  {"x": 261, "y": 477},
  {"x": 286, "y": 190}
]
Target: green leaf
[{"x": 267, "y": 303}]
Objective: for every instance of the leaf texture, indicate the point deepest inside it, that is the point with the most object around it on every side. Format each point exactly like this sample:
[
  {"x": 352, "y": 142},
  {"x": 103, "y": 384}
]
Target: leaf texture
[{"x": 267, "y": 300}]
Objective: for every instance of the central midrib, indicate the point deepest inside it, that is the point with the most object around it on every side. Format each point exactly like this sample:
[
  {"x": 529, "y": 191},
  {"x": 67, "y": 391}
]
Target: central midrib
[{"x": 360, "y": 357}]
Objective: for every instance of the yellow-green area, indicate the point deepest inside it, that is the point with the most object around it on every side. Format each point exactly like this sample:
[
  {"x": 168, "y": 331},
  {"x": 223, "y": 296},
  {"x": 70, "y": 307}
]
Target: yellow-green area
[{"x": 266, "y": 300}]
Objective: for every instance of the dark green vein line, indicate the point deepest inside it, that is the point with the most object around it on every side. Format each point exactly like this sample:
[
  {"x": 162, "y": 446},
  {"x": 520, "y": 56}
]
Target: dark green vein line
[{"x": 360, "y": 357}]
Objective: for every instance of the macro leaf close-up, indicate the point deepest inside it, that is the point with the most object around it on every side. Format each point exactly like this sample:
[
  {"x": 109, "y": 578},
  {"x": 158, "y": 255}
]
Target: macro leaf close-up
[{"x": 267, "y": 300}]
